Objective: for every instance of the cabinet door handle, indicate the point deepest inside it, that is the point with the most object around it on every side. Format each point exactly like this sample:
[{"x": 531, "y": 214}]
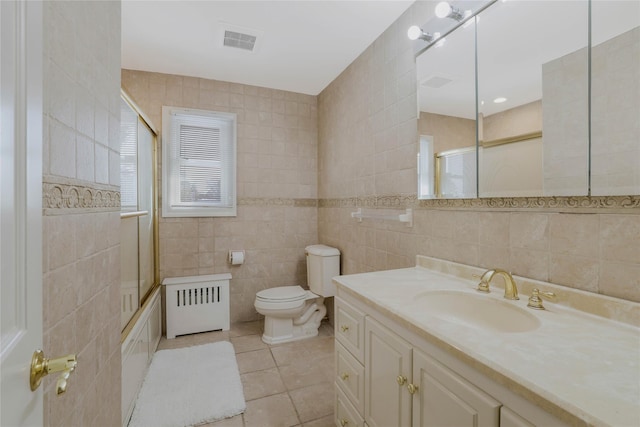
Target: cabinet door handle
[
  {"x": 401, "y": 379},
  {"x": 344, "y": 376},
  {"x": 344, "y": 422},
  {"x": 413, "y": 389},
  {"x": 344, "y": 328}
]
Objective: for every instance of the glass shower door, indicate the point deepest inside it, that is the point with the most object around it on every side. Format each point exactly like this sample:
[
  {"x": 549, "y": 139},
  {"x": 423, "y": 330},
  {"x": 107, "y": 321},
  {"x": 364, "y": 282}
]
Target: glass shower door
[{"x": 138, "y": 206}]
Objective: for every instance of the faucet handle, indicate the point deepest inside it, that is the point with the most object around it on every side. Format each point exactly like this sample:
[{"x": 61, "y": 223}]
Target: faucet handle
[
  {"x": 535, "y": 301},
  {"x": 483, "y": 286}
]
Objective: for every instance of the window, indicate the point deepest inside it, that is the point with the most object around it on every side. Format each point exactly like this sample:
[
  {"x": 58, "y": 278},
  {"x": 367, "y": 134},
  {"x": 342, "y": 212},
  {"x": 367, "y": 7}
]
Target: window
[{"x": 198, "y": 163}]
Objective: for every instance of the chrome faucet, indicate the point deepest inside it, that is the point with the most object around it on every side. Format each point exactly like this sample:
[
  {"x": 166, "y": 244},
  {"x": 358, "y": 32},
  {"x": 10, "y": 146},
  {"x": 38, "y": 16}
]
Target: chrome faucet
[{"x": 510, "y": 288}]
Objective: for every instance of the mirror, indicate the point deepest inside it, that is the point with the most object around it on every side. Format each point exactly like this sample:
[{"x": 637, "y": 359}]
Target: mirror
[
  {"x": 533, "y": 86},
  {"x": 615, "y": 98},
  {"x": 536, "y": 142},
  {"x": 447, "y": 125}
]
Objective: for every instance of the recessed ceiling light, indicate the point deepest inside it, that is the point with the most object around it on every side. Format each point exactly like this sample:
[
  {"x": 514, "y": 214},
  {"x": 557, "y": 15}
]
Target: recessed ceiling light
[{"x": 499, "y": 100}]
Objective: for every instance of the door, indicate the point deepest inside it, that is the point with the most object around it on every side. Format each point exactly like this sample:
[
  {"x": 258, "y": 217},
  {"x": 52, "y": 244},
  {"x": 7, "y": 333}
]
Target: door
[
  {"x": 20, "y": 209},
  {"x": 387, "y": 375},
  {"x": 444, "y": 399}
]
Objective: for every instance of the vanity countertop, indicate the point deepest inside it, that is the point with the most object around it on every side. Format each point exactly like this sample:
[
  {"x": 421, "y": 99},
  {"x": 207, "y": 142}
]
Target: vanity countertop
[{"x": 583, "y": 368}]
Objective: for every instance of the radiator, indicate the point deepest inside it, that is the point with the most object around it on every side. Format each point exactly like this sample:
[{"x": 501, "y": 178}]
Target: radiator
[{"x": 196, "y": 304}]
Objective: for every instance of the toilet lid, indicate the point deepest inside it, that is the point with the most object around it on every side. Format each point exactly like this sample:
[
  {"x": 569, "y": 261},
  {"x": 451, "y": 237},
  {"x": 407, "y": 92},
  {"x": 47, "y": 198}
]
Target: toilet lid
[{"x": 282, "y": 293}]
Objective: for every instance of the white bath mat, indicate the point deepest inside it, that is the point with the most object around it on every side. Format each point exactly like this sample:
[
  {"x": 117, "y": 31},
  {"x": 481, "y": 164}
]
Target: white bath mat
[{"x": 188, "y": 386}]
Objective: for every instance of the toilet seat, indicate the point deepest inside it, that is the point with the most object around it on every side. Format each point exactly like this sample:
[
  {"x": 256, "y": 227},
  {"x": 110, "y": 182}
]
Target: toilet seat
[{"x": 282, "y": 294}]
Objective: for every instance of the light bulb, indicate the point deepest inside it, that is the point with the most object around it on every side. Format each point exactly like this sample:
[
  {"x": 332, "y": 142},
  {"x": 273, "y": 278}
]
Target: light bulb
[
  {"x": 414, "y": 32},
  {"x": 500, "y": 100},
  {"x": 443, "y": 9}
]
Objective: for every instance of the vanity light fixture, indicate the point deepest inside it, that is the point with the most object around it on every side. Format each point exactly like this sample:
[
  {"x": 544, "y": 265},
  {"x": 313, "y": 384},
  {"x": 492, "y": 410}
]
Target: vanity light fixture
[
  {"x": 415, "y": 33},
  {"x": 445, "y": 10},
  {"x": 500, "y": 100}
]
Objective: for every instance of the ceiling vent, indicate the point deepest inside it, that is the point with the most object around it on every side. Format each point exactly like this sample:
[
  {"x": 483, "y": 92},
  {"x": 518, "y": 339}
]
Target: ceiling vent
[
  {"x": 239, "y": 40},
  {"x": 237, "y": 37},
  {"x": 436, "y": 82}
]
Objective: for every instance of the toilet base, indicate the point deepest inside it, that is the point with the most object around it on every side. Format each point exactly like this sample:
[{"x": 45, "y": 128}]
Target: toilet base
[
  {"x": 267, "y": 339},
  {"x": 278, "y": 330}
]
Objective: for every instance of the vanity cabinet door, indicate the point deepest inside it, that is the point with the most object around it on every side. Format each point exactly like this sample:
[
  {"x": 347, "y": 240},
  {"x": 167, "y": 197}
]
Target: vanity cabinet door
[
  {"x": 444, "y": 398},
  {"x": 508, "y": 418},
  {"x": 387, "y": 374}
]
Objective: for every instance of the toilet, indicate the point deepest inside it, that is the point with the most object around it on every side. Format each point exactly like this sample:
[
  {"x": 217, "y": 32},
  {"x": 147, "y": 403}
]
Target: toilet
[{"x": 292, "y": 313}]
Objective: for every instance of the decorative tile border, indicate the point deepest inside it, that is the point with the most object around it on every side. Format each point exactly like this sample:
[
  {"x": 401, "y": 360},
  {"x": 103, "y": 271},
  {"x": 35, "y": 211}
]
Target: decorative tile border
[
  {"x": 259, "y": 201},
  {"x": 600, "y": 204},
  {"x": 62, "y": 195}
]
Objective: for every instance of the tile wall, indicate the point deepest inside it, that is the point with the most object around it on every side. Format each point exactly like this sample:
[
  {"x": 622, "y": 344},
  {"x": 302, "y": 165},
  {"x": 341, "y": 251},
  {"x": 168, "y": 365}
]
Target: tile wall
[
  {"x": 81, "y": 201},
  {"x": 277, "y": 185},
  {"x": 366, "y": 149}
]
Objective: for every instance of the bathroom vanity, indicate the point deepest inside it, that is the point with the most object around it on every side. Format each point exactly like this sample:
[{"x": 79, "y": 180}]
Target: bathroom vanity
[{"x": 421, "y": 347}]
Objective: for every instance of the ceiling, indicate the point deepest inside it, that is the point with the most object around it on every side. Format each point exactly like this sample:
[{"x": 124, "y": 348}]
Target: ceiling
[{"x": 301, "y": 45}]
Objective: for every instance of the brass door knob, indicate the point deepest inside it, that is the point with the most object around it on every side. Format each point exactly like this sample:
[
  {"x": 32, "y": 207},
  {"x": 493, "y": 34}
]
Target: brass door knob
[
  {"x": 344, "y": 422},
  {"x": 413, "y": 389},
  {"x": 344, "y": 328},
  {"x": 41, "y": 367},
  {"x": 401, "y": 379},
  {"x": 344, "y": 376}
]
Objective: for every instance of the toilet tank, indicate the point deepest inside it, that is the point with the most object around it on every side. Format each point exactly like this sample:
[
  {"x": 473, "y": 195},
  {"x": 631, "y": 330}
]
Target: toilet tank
[{"x": 323, "y": 263}]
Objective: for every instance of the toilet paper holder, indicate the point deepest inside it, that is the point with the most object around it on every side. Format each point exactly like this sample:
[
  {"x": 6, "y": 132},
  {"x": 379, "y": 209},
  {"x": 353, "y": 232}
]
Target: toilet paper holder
[{"x": 236, "y": 257}]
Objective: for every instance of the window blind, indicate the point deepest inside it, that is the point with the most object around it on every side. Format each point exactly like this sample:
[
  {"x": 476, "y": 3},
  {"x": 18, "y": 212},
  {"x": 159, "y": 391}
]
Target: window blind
[
  {"x": 128, "y": 157},
  {"x": 200, "y": 163}
]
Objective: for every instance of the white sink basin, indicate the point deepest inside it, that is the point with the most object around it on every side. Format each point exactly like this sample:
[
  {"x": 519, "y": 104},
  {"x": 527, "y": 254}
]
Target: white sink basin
[{"x": 476, "y": 311}]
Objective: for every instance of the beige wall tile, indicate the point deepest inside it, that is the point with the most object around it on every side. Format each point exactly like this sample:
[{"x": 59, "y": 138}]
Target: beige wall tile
[
  {"x": 494, "y": 257},
  {"x": 494, "y": 228},
  {"x": 620, "y": 238},
  {"x": 101, "y": 164},
  {"x": 529, "y": 231},
  {"x": 61, "y": 150},
  {"x": 61, "y": 240},
  {"x": 578, "y": 272},
  {"x": 620, "y": 280},
  {"x": 529, "y": 263},
  {"x": 574, "y": 234}
]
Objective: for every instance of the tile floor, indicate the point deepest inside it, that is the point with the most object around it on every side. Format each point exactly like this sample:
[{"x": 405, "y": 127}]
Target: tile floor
[{"x": 284, "y": 385}]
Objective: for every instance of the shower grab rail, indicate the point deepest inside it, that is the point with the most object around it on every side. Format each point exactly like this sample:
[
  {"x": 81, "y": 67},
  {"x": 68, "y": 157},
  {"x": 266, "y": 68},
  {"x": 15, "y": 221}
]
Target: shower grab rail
[
  {"x": 406, "y": 217},
  {"x": 124, "y": 215}
]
